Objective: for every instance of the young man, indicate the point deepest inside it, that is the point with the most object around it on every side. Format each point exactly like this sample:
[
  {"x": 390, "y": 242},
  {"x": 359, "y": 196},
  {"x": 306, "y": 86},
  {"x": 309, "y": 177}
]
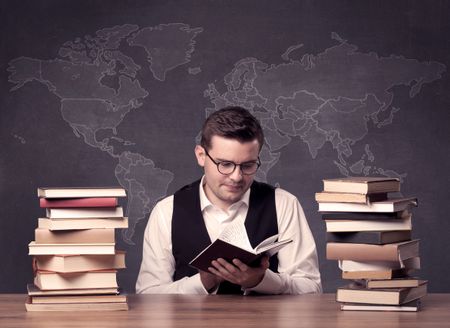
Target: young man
[{"x": 182, "y": 225}]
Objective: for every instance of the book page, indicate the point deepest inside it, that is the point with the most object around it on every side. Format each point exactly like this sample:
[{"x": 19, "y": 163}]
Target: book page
[
  {"x": 267, "y": 241},
  {"x": 272, "y": 248},
  {"x": 236, "y": 234}
]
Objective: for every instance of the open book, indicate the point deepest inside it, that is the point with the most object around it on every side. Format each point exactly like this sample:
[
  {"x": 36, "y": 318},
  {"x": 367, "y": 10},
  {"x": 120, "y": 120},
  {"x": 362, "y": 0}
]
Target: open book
[{"x": 234, "y": 244}]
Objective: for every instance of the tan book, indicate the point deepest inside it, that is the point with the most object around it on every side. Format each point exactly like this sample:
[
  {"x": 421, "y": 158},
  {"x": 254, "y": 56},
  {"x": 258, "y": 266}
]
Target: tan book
[
  {"x": 346, "y": 197},
  {"x": 79, "y": 224},
  {"x": 388, "y": 206},
  {"x": 47, "y": 280},
  {"x": 394, "y": 283},
  {"x": 35, "y": 291},
  {"x": 65, "y": 299},
  {"x": 45, "y": 236},
  {"x": 362, "y": 185},
  {"x": 70, "y": 249},
  {"x": 404, "y": 223},
  {"x": 80, "y": 263},
  {"x": 354, "y": 293},
  {"x": 30, "y": 307},
  {"x": 394, "y": 252},
  {"x": 376, "y": 274},
  {"x": 80, "y": 192},
  {"x": 87, "y": 212}
]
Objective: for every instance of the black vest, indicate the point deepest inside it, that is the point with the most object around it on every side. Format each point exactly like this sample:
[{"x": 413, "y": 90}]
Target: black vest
[{"x": 189, "y": 234}]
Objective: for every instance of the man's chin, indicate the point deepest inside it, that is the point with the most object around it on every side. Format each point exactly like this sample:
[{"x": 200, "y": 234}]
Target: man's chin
[
  {"x": 232, "y": 197},
  {"x": 232, "y": 194}
]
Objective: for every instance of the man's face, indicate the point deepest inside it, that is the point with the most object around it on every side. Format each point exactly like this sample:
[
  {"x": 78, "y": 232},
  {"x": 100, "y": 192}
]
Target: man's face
[{"x": 224, "y": 190}]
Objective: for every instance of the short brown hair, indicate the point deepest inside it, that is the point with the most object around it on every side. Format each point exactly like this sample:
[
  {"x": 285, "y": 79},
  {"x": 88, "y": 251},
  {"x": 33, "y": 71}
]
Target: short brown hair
[{"x": 231, "y": 122}]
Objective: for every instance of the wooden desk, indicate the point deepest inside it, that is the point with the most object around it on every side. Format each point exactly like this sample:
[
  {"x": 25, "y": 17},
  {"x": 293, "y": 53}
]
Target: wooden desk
[{"x": 227, "y": 311}]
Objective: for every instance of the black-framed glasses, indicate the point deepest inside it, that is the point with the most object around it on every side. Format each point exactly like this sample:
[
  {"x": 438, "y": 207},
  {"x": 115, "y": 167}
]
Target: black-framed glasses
[{"x": 227, "y": 167}]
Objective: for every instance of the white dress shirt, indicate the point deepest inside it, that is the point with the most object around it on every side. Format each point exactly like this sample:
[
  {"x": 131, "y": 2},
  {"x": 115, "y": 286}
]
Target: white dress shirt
[{"x": 298, "y": 271}]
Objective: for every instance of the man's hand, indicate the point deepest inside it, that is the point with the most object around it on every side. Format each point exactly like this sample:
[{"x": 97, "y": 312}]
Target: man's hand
[
  {"x": 209, "y": 280},
  {"x": 239, "y": 273}
]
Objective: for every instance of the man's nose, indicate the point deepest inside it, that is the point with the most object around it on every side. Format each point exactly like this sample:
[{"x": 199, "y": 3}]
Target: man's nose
[{"x": 237, "y": 174}]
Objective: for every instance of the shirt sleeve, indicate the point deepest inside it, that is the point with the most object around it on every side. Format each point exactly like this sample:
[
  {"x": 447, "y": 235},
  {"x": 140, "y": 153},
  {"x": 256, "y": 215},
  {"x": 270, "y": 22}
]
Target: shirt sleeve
[
  {"x": 158, "y": 264},
  {"x": 298, "y": 269}
]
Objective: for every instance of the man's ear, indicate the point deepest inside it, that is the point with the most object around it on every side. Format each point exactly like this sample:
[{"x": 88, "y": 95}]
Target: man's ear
[{"x": 200, "y": 155}]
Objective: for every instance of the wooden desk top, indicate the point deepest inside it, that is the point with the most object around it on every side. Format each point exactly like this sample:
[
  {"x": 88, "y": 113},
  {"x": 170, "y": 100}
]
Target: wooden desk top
[{"x": 227, "y": 311}]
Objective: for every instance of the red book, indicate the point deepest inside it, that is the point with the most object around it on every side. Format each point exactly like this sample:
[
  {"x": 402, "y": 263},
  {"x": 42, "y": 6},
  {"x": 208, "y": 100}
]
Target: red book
[{"x": 78, "y": 202}]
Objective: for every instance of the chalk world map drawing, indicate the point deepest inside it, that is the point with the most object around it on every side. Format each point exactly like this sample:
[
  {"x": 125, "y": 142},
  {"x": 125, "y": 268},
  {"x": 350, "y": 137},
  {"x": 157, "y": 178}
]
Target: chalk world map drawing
[{"x": 328, "y": 98}]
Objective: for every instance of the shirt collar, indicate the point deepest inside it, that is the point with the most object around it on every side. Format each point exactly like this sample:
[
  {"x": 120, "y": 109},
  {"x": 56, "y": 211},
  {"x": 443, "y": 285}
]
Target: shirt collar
[{"x": 205, "y": 202}]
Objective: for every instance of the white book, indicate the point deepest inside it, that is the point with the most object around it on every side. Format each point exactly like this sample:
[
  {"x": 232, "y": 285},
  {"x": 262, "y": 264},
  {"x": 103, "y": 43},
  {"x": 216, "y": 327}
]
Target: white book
[
  {"x": 79, "y": 263},
  {"x": 404, "y": 223},
  {"x": 408, "y": 307},
  {"x": 78, "y": 224},
  {"x": 85, "y": 212},
  {"x": 390, "y": 205},
  {"x": 349, "y": 265},
  {"x": 80, "y": 192},
  {"x": 71, "y": 249}
]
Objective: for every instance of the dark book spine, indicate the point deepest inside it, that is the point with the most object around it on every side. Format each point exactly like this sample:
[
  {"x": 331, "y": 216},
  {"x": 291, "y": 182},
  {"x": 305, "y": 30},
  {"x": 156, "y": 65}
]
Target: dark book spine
[
  {"x": 360, "y": 216},
  {"x": 366, "y": 237},
  {"x": 369, "y": 237},
  {"x": 378, "y": 197}
]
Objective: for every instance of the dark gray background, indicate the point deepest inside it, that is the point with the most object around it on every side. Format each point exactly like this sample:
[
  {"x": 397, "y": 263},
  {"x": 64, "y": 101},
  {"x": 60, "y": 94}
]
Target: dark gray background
[{"x": 417, "y": 142}]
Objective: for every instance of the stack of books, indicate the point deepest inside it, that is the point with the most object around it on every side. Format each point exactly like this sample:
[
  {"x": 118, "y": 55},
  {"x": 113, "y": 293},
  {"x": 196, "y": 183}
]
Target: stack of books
[
  {"x": 369, "y": 233},
  {"x": 74, "y": 257}
]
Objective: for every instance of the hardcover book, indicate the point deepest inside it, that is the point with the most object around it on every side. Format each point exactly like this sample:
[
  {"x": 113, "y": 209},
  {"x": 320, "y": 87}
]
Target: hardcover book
[
  {"x": 355, "y": 293},
  {"x": 360, "y": 216},
  {"x": 55, "y": 307},
  {"x": 390, "y": 205},
  {"x": 228, "y": 251},
  {"x": 369, "y": 237},
  {"x": 78, "y": 192},
  {"x": 404, "y": 223},
  {"x": 70, "y": 249},
  {"x": 47, "y": 280},
  {"x": 85, "y": 212},
  {"x": 79, "y": 263},
  {"x": 412, "y": 306},
  {"x": 394, "y": 283},
  {"x": 69, "y": 299},
  {"x": 35, "y": 291},
  {"x": 367, "y": 270},
  {"x": 45, "y": 236},
  {"x": 362, "y": 185},
  {"x": 395, "y": 252},
  {"x": 366, "y": 265},
  {"x": 376, "y": 274},
  {"x": 78, "y": 202},
  {"x": 346, "y": 197},
  {"x": 78, "y": 224}
]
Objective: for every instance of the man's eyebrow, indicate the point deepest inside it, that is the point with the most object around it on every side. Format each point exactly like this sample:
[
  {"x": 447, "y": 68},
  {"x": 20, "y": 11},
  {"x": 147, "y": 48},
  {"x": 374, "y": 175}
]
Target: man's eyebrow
[{"x": 228, "y": 161}]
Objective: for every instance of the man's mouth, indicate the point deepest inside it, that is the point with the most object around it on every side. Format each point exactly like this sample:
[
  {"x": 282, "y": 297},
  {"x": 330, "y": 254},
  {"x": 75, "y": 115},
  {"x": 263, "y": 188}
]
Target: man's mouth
[{"x": 233, "y": 187}]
